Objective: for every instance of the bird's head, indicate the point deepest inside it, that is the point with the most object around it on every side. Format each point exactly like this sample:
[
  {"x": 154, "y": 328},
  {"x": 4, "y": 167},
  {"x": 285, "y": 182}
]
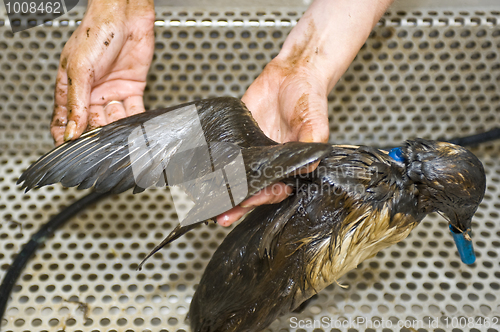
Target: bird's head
[{"x": 450, "y": 179}]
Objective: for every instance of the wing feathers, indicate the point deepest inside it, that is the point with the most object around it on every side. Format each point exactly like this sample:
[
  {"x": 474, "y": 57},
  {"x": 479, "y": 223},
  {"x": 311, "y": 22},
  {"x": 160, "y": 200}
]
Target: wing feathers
[
  {"x": 105, "y": 158},
  {"x": 120, "y": 155}
]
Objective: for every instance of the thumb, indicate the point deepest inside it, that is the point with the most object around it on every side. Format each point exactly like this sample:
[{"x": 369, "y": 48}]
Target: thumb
[
  {"x": 315, "y": 127},
  {"x": 315, "y": 131}
]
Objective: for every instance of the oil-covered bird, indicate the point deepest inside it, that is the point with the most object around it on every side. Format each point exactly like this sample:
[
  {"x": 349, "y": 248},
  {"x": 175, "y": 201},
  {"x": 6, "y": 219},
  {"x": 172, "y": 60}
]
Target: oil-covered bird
[{"x": 357, "y": 202}]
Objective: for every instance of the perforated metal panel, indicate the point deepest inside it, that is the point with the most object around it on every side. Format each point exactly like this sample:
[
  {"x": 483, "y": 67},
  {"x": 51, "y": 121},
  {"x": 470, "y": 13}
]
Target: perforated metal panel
[{"x": 426, "y": 73}]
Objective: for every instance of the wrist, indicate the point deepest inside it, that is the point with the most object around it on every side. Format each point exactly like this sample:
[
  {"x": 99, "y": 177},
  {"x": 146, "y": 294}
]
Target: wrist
[
  {"x": 141, "y": 8},
  {"x": 329, "y": 35},
  {"x": 303, "y": 65},
  {"x": 122, "y": 8}
]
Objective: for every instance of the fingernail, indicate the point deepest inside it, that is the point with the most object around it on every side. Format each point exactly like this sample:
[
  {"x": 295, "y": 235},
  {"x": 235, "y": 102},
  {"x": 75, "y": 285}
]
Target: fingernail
[
  {"x": 223, "y": 220},
  {"x": 70, "y": 130}
]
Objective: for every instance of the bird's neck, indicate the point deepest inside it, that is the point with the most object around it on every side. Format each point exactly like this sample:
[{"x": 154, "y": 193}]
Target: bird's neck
[
  {"x": 363, "y": 233},
  {"x": 423, "y": 193}
]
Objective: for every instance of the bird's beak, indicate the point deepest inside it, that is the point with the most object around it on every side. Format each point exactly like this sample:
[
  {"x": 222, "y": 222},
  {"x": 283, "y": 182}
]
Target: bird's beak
[{"x": 462, "y": 236}]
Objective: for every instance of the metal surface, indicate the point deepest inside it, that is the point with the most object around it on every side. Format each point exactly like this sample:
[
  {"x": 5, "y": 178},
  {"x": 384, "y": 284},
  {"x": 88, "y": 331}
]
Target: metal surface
[{"x": 430, "y": 73}]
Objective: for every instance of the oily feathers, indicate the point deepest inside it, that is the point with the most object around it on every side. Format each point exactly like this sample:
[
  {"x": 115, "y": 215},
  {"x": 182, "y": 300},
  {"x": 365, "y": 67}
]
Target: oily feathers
[{"x": 296, "y": 248}]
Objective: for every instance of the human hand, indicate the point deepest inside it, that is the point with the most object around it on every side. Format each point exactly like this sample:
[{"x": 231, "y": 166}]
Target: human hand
[
  {"x": 106, "y": 59},
  {"x": 290, "y": 104},
  {"x": 289, "y": 98}
]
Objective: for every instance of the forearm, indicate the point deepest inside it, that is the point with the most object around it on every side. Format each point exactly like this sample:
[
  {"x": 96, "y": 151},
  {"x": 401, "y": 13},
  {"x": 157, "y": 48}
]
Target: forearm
[
  {"x": 123, "y": 7},
  {"x": 329, "y": 35}
]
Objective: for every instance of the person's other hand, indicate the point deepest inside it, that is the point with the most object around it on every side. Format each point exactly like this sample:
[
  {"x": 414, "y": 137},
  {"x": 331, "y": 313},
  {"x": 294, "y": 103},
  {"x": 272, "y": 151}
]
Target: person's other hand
[
  {"x": 289, "y": 104},
  {"x": 106, "y": 59},
  {"x": 289, "y": 98}
]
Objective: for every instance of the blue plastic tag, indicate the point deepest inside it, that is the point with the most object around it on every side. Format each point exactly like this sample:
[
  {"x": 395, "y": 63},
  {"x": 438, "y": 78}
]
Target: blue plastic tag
[
  {"x": 396, "y": 154},
  {"x": 463, "y": 241}
]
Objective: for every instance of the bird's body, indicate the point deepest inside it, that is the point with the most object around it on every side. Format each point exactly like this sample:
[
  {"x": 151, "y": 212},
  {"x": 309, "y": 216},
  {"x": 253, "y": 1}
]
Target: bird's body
[{"x": 357, "y": 202}]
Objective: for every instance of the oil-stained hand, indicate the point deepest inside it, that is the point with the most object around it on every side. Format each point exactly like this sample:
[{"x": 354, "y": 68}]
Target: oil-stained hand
[
  {"x": 289, "y": 104},
  {"x": 106, "y": 59}
]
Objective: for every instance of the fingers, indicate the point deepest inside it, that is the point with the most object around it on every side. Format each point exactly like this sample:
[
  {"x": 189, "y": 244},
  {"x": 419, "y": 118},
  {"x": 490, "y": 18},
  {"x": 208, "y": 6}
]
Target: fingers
[
  {"x": 261, "y": 99},
  {"x": 114, "y": 110},
  {"x": 89, "y": 54},
  {"x": 270, "y": 195},
  {"x": 228, "y": 218},
  {"x": 97, "y": 117},
  {"x": 58, "y": 124},
  {"x": 108, "y": 56},
  {"x": 60, "y": 113},
  {"x": 309, "y": 168},
  {"x": 309, "y": 115},
  {"x": 100, "y": 115},
  {"x": 134, "y": 105}
]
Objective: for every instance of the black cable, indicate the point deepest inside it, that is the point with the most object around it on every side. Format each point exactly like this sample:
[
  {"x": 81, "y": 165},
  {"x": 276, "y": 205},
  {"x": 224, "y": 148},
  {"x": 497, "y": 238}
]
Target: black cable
[
  {"x": 476, "y": 139},
  {"x": 46, "y": 230},
  {"x": 470, "y": 140}
]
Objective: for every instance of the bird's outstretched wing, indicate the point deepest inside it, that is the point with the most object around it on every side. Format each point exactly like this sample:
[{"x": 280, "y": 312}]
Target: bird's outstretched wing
[
  {"x": 125, "y": 153},
  {"x": 195, "y": 146},
  {"x": 134, "y": 152}
]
